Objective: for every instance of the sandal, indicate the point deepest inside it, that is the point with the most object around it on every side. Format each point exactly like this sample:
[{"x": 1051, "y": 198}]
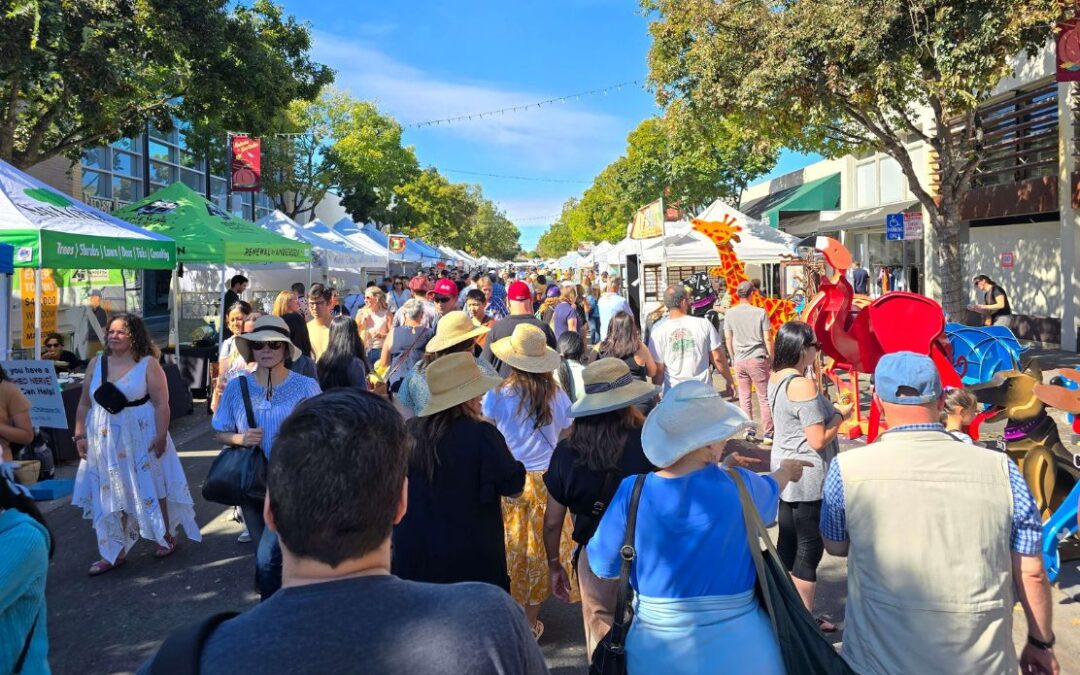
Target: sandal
[
  {"x": 166, "y": 551},
  {"x": 825, "y": 626},
  {"x": 538, "y": 630},
  {"x": 102, "y": 566}
]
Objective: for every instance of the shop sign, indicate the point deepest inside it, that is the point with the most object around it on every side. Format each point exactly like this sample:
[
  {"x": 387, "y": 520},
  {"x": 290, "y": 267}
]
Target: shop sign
[
  {"x": 1008, "y": 260},
  {"x": 894, "y": 227},
  {"x": 1068, "y": 51},
  {"x": 37, "y": 381},
  {"x": 50, "y": 302},
  {"x": 246, "y": 164},
  {"x": 913, "y": 226}
]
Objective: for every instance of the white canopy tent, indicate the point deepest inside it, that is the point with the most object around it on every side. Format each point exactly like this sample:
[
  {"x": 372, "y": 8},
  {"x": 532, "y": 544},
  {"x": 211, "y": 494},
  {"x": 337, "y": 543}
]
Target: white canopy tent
[
  {"x": 371, "y": 253},
  {"x": 334, "y": 260}
]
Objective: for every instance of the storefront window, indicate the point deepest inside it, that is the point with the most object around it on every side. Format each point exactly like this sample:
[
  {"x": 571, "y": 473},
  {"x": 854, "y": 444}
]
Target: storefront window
[
  {"x": 866, "y": 188},
  {"x": 893, "y": 182},
  {"x": 192, "y": 180},
  {"x": 94, "y": 184},
  {"x": 162, "y": 173},
  {"x": 125, "y": 189},
  {"x": 125, "y": 163},
  {"x": 95, "y": 158}
]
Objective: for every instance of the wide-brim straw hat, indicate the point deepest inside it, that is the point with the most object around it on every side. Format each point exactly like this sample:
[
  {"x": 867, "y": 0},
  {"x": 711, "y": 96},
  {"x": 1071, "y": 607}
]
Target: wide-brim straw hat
[
  {"x": 267, "y": 329},
  {"x": 609, "y": 386},
  {"x": 454, "y": 328},
  {"x": 454, "y": 379},
  {"x": 526, "y": 349},
  {"x": 690, "y": 416}
]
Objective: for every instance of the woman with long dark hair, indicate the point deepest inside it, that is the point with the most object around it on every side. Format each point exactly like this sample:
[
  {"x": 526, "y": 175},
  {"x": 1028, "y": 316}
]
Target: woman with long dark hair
[
  {"x": 806, "y": 427},
  {"x": 344, "y": 363},
  {"x": 130, "y": 482},
  {"x": 26, "y": 545},
  {"x": 458, "y": 470},
  {"x": 585, "y": 470},
  {"x": 623, "y": 342},
  {"x": 532, "y": 413},
  {"x": 568, "y": 376}
]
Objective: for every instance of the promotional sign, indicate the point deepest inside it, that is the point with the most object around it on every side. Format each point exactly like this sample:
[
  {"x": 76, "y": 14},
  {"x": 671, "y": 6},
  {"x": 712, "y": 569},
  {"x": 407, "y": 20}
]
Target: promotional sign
[
  {"x": 648, "y": 222},
  {"x": 50, "y": 302},
  {"x": 246, "y": 165},
  {"x": 396, "y": 243},
  {"x": 1008, "y": 260},
  {"x": 913, "y": 226},
  {"x": 37, "y": 380},
  {"x": 894, "y": 227},
  {"x": 1068, "y": 51}
]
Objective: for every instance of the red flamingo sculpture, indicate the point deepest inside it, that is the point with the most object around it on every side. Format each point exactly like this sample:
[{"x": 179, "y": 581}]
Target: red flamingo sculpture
[{"x": 856, "y": 331}]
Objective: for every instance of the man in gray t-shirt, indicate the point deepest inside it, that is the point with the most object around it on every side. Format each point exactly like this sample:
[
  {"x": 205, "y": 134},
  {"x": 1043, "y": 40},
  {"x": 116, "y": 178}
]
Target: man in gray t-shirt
[{"x": 746, "y": 330}]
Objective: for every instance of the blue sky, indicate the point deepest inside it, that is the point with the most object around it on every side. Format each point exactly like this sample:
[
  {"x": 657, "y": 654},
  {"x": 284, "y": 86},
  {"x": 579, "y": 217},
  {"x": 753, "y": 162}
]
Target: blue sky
[{"x": 423, "y": 60}]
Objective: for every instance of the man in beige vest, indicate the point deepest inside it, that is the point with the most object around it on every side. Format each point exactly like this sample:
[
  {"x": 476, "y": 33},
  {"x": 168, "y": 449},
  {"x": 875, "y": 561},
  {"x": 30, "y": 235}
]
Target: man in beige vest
[{"x": 937, "y": 533}]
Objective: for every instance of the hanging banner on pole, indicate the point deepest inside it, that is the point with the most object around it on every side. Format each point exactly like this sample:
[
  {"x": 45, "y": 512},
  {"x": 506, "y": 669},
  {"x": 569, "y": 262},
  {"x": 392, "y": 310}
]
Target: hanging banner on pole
[
  {"x": 648, "y": 222},
  {"x": 1068, "y": 51},
  {"x": 396, "y": 243},
  {"x": 50, "y": 302},
  {"x": 246, "y": 164}
]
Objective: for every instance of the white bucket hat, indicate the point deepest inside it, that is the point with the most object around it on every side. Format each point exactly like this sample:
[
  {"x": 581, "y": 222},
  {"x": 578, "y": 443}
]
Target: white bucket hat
[
  {"x": 690, "y": 416},
  {"x": 267, "y": 329},
  {"x": 610, "y": 386}
]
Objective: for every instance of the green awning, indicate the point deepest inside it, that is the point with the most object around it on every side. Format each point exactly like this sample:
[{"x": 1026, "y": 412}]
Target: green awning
[
  {"x": 822, "y": 194},
  {"x": 204, "y": 233}
]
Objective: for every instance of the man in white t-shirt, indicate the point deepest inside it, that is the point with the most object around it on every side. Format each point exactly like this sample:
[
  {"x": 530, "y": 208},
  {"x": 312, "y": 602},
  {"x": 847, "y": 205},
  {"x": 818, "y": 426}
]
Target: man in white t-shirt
[{"x": 685, "y": 345}]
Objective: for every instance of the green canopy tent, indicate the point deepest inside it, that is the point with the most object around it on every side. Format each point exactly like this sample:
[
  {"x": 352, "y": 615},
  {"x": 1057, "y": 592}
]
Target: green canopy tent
[
  {"x": 51, "y": 230},
  {"x": 204, "y": 233}
]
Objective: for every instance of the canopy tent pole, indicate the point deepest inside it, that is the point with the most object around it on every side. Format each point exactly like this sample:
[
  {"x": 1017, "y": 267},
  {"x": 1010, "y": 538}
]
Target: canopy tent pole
[
  {"x": 309, "y": 274},
  {"x": 37, "y": 313},
  {"x": 175, "y": 337},
  {"x": 223, "y": 309},
  {"x": 5, "y": 317}
]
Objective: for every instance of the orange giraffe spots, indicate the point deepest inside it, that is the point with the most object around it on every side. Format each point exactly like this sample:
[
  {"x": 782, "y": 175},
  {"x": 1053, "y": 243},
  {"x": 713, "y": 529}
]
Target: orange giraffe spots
[{"x": 723, "y": 233}]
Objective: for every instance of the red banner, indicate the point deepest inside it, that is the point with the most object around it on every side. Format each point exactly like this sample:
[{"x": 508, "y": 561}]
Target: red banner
[
  {"x": 1068, "y": 51},
  {"x": 246, "y": 164},
  {"x": 396, "y": 244}
]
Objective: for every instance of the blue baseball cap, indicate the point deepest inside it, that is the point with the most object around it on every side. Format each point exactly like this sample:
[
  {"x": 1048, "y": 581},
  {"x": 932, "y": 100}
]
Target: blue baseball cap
[{"x": 911, "y": 370}]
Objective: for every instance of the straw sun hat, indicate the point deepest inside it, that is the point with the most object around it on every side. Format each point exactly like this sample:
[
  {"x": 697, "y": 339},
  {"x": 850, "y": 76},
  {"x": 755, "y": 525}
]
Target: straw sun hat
[
  {"x": 267, "y": 329},
  {"x": 526, "y": 349},
  {"x": 454, "y": 379},
  {"x": 453, "y": 328},
  {"x": 610, "y": 386},
  {"x": 690, "y": 416}
]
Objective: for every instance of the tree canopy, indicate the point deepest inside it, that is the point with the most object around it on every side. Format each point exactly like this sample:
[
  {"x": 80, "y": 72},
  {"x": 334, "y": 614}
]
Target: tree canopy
[
  {"x": 844, "y": 76},
  {"x": 75, "y": 75}
]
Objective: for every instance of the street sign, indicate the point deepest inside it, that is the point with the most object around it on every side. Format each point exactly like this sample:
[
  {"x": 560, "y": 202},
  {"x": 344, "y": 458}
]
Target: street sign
[
  {"x": 913, "y": 226},
  {"x": 894, "y": 227},
  {"x": 1008, "y": 260}
]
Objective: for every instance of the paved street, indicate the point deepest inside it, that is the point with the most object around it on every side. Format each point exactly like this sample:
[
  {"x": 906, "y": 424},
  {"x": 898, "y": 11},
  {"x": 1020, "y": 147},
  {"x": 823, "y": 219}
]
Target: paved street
[{"x": 110, "y": 624}]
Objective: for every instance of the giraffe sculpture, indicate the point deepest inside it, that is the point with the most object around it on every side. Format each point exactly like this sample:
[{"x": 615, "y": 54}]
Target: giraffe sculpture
[{"x": 723, "y": 233}]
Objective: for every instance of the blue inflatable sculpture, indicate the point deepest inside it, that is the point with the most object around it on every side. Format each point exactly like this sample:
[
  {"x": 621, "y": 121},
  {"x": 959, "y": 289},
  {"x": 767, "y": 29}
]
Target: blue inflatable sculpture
[{"x": 981, "y": 351}]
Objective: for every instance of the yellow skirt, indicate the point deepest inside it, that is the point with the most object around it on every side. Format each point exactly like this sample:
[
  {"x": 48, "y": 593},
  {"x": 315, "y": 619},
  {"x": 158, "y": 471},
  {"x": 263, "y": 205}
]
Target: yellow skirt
[{"x": 526, "y": 560}]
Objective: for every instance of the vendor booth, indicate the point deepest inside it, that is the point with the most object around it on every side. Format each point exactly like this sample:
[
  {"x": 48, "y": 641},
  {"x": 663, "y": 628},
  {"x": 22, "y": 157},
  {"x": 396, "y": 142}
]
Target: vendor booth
[
  {"x": 374, "y": 257},
  {"x": 333, "y": 261},
  {"x": 406, "y": 262}
]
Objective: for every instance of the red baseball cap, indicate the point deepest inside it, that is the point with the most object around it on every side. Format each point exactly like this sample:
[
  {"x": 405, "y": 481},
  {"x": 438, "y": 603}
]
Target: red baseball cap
[
  {"x": 518, "y": 291},
  {"x": 418, "y": 284},
  {"x": 446, "y": 287}
]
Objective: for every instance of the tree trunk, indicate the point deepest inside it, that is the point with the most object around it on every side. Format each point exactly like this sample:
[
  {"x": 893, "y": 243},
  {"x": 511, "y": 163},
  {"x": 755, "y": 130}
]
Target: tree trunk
[{"x": 950, "y": 261}]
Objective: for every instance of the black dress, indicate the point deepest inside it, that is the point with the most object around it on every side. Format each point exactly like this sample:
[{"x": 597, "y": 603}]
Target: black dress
[
  {"x": 577, "y": 487},
  {"x": 453, "y": 528}
]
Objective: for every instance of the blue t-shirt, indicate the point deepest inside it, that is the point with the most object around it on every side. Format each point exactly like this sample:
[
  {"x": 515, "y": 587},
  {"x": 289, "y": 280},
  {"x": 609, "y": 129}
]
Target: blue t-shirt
[
  {"x": 690, "y": 537},
  {"x": 564, "y": 311}
]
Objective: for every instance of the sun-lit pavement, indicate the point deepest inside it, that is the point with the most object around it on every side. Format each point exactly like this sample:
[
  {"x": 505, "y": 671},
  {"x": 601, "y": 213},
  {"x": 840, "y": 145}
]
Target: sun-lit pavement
[{"x": 111, "y": 623}]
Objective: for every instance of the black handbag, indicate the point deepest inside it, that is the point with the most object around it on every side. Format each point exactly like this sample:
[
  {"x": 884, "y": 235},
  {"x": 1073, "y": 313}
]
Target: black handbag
[
  {"x": 609, "y": 657},
  {"x": 109, "y": 396},
  {"x": 238, "y": 475},
  {"x": 803, "y": 646}
]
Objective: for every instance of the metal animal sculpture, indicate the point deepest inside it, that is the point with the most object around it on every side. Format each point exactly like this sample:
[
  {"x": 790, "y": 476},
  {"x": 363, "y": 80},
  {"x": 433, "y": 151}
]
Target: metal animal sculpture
[
  {"x": 723, "y": 233},
  {"x": 980, "y": 351},
  {"x": 1031, "y": 435},
  {"x": 703, "y": 297}
]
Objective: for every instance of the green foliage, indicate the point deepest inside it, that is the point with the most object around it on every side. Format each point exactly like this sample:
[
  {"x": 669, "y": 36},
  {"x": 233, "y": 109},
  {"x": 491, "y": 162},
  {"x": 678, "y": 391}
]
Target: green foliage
[
  {"x": 839, "y": 76},
  {"x": 80, "y": 73}
]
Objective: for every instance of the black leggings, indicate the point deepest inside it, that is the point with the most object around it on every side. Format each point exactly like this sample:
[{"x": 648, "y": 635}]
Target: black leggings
[{"x": 799, "y": 543}]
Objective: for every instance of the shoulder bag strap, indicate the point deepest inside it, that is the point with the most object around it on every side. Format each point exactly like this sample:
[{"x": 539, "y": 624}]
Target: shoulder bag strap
[
  {"x": 247, "y": 402},
  {"x": 182, "y": 650},
  {"x": 755, "y": 532},
  {"x": 404, "y": 355},
  {"x": 607, "y": 491},
  {"x": 104, "y": 368},
  {"x": 26, "y": 645},
  {"x": 627, "y": 553}
]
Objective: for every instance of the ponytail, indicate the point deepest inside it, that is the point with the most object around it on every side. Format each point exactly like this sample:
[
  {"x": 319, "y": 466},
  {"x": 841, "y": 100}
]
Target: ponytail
[{"x": 566, "y": 378}]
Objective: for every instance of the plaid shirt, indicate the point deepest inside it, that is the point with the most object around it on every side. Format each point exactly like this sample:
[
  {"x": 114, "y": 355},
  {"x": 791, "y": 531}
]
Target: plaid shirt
[{"x": 1025, "y": 537}]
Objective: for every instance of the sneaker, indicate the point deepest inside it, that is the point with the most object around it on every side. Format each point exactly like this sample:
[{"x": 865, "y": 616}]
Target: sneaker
[
  {"x": 767, "y": 439},
  {"x": 244, "y": 538}
]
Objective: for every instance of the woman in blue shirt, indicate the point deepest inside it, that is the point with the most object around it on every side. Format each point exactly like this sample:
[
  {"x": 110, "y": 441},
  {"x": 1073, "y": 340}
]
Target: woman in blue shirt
[{"x": 693, "y": 577}]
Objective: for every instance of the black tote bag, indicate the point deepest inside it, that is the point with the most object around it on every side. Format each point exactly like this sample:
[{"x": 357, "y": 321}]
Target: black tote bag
[
  {"x": 803, "y": 646},
  {"x": 238, "y": 474}
]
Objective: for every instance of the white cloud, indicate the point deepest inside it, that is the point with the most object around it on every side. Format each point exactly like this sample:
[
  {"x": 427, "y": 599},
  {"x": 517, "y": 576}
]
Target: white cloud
[{"x": 552, "y": 137}]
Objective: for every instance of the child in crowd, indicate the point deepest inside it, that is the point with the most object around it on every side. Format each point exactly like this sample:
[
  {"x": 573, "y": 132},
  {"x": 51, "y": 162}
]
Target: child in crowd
[{"x": 961, "y": 406}]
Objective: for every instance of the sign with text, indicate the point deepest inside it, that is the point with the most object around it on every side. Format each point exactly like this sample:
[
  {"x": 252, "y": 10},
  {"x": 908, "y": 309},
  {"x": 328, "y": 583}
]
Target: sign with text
[
  {"x": 894, "y": 227},
  {"x": 648, "y": 222},
  {"x": 246, "y": 169},
  {"x": 1008, "y": 260},
  {"x": 50, "y": 301},
  {"x": 1068, "y": 51},
  {"x": 37, "y": 380},
  {"x": 913, "y": 226}
]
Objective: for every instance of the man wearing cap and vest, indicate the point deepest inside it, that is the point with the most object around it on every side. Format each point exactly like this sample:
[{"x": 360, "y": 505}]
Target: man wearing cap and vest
[{"x": 938, "y": 534}]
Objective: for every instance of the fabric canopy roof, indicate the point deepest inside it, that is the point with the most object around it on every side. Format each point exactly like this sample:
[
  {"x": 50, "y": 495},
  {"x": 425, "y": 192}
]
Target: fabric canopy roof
[
  {"x": 375, "y": 256},
  {"x": 351, "y": 230},
  {"x": 50, "y": 229},
  {"x": 334, "y": 254},
  {"x": 204, "y": 233},
  {"x": 427, "y": 251},
  {"x": 757, "y": 243},
  {"x": 822, "y": 194}
]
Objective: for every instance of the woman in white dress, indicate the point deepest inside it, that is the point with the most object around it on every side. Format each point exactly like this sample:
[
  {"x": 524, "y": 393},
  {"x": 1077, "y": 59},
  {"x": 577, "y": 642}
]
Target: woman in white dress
[{"x": 130, "y": 482}]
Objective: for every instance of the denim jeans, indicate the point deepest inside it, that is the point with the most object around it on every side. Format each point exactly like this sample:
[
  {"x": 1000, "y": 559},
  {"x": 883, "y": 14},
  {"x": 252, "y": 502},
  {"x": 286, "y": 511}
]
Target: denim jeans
[{"x": 267, "y": 551}]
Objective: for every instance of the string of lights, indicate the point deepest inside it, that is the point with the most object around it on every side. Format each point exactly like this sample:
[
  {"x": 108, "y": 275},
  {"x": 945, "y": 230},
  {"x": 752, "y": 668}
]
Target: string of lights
[
  {"x": 603, "y": 91},
  {"x": 527, "y": 178}
]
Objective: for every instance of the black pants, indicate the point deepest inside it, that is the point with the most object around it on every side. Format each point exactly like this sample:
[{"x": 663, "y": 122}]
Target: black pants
[{"x": 799, "y": 543}]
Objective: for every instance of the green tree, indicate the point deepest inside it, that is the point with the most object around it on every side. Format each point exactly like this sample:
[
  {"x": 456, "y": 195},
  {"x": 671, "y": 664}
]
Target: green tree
[
  {"x": 76, "y": 74},
  {"x": 493, "y": 234},
  {"x": 839, "y": 76},
  {"x": 374, "y": 166},
  {"x": 431, "y": 208}
]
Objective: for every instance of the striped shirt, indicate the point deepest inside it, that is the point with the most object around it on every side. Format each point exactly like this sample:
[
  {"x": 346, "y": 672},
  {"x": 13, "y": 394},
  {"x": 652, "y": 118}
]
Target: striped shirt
[{"x": 269, "y": 415}]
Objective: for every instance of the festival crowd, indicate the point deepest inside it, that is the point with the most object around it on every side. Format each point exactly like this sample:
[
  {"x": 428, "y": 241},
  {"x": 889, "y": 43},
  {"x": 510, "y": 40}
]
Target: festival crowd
[{"x": 444, "y": 458}]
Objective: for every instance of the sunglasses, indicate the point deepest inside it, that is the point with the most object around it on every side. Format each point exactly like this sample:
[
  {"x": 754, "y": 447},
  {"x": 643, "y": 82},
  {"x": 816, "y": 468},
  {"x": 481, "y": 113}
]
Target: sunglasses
[
  {"x": 442, "y": 298},
  {"x": 272, "y": 346},
  {"x": 52, "y": 344}
]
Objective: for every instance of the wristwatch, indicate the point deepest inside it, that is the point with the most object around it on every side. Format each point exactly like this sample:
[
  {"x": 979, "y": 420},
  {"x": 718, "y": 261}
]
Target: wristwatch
[{"x": 1039, "y": 644}]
